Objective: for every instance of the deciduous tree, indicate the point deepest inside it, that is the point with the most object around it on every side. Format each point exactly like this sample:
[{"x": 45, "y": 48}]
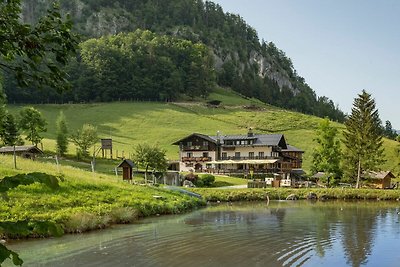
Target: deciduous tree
[
  {"x": 362, "y": 138},
  {"x": 150, "y": 157},
  {"x": 84, "y": 139},
  {"x": 34, "y": 53},
  {"x": 33, "y": 124},
  {"x": 327, "y": 154}
]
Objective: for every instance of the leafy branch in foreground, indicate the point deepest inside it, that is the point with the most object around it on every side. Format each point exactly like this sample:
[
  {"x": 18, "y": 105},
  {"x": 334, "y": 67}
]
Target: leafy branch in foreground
[
  {"x": 15, "y": 228},
  {"x": 34, "y": 54}
]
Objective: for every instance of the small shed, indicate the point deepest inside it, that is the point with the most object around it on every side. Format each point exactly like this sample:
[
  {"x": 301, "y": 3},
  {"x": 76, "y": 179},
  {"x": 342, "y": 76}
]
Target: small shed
[
  {"x": 29, "y": 152},
  {"x": 381, "y": 179},
  {"x": 127, "y": 169}
]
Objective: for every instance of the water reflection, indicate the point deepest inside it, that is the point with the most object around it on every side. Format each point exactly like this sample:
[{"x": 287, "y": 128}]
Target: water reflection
[{"x": 239, "y": 234}]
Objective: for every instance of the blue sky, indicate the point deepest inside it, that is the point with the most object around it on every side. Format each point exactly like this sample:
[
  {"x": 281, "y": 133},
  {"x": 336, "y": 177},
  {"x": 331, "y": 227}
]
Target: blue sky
[{"x": 339, "y": 46}]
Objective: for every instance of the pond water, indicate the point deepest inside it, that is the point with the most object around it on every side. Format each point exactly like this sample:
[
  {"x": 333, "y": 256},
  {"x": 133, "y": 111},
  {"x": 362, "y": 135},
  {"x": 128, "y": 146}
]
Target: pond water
[{"x": 237, "y": 234}]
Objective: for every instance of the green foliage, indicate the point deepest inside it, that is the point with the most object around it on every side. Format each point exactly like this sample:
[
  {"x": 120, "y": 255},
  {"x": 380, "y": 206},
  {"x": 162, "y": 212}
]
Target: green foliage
[
  {"x": 61, "y": 134},
  {"x": 207, "y": 179},
  {"x": 9, "y": 130},
  {"x": 150, "y": 157},
  {"x": 388, "y": 131},
  {"x": 362, "y": 138},
  {"x": 32, "y": 124},
  {"x": 5, "y": 254},
  {"x": 34, "y": 53},
  {"x": 327, "y": 155},
  {"x": 84, "y": 139},
  {"x": 18, "y": 227}
]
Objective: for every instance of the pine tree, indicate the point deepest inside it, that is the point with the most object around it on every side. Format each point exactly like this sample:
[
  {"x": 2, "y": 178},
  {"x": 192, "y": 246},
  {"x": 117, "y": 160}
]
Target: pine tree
[
  {"x": 9, "y": 133},
  {"x": 362, "y": 138},
  {"x": 326, "y": 156},
  {"x": 62, "y": 134}
]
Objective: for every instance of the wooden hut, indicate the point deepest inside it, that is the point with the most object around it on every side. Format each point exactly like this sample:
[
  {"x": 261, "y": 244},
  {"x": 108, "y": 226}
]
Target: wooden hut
[
  {"x": 380, "y": 179},
  {"x": 127, "y": 169},
  {"x": 29, "y": 152}
]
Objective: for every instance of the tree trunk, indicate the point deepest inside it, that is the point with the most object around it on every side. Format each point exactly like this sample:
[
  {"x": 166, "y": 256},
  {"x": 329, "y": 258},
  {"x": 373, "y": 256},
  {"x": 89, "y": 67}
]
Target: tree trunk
[{"x": 358, "y": 173}]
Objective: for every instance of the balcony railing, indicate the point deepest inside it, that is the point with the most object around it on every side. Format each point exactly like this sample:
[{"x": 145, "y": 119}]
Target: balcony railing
[
  {"x": 195, "y": 148},
  {"x": 246, "y": 158},
  {"x": 196, "y": 159}
]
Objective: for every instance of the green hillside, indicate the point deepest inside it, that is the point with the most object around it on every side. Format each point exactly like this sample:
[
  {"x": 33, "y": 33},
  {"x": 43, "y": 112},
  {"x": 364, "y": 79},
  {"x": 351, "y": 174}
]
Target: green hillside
[{"x": 131, "y": 123}]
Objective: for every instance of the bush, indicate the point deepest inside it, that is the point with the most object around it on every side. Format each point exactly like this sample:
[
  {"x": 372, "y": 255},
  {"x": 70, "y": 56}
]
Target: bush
[
  {"x": 208, "y": 179},
  {"x": 192, "y": 177}
]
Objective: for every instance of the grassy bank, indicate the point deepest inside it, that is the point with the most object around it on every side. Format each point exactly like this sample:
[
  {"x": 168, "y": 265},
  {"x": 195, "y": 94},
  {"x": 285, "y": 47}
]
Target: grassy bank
[
  {"x": 226, "y": 195},
  {"x": 83, "y": 201}
]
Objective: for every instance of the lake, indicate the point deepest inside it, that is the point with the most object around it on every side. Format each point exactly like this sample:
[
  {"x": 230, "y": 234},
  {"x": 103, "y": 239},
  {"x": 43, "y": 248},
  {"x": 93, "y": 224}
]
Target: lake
[{"x": 281, "y": 233}]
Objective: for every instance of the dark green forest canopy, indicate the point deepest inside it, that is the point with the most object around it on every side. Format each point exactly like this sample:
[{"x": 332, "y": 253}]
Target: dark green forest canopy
[{"x": 249, "y": 66}]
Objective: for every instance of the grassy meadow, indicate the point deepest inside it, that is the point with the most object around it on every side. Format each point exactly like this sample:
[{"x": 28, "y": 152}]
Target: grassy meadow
[
  {"x": 131, "y": 123},
  {"x": 83, "y": 201}
]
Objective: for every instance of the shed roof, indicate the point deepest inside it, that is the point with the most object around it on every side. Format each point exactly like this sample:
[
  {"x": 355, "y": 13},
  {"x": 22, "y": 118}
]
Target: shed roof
[
  {"x": 30, "y": 149},
  {"x": 127, "y": 161},
  {"x": 381, "y": 174}
]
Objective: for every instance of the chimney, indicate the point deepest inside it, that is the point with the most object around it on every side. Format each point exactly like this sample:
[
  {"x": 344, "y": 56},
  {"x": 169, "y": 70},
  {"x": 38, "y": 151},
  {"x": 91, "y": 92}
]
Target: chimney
[{"x": 250, "y": 132}]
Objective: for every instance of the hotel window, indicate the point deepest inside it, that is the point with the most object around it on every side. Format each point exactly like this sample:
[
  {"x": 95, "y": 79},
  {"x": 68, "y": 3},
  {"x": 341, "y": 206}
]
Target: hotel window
[
  {"x": 261, "y": 155},
  {"x": 237, "y": 154},
  {"x": 251, "y": 155},
  {"x": 205, "y": 154},
  {"x": 243, "y": 142},
  {"x": 224, "y": 155},
  {"x": 189, "y": 144},
  {"x": 205, "y": 143},
  {"x": 189, "y": 155}
]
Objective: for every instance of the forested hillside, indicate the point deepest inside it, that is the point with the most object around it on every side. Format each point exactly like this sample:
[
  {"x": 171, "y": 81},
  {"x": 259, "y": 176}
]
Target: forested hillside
[{"x": 241, "y": 61}]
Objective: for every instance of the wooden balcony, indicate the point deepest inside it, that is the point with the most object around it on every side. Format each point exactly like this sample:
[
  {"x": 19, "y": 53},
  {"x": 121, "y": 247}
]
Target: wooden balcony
[
  {"x": 195, "y": 148},
  {"x": 196, "y": 159},
  {"x": 246, "y": 158}
]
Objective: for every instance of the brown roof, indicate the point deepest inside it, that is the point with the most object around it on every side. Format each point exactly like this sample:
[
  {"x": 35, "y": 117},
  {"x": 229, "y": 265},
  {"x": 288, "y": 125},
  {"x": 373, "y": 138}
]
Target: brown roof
[
  {"x": 127, "y": 161},
  {"x": 30, "y": 149},
  {"x": 381, "y": 175}
]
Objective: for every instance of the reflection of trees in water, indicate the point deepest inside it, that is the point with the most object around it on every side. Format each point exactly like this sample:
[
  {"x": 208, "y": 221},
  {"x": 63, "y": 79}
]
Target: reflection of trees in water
[
  {"x": 294, "y": 232},
  {"x": 359, "y": 227}
]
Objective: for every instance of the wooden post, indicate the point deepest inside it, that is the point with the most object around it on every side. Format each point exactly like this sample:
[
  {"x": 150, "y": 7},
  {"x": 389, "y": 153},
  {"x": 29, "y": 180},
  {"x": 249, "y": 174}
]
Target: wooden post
[{"x": 15, "y": 159}]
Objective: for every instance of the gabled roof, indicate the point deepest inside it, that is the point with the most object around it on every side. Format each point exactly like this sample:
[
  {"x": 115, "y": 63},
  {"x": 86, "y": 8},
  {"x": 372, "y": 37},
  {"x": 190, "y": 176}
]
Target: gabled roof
[
  {"x": 203, "y": 136},
  {"x": 127, "y": 161},
  {"x": 381, "y": 175},
  {"x": 259, "y": 139},
  {"x": 292, "y": 149},
  {"x": 271, "y": 140},
  {"x": 30, "y": 149}
]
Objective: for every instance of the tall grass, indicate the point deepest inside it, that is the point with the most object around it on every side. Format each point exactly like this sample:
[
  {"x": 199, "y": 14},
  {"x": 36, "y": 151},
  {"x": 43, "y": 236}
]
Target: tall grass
[{"x": 84, "y": 201}]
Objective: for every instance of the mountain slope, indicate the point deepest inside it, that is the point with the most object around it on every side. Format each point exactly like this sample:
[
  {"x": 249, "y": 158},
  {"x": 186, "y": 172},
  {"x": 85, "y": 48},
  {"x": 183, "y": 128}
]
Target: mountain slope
[{"x": 242, "y": 62}]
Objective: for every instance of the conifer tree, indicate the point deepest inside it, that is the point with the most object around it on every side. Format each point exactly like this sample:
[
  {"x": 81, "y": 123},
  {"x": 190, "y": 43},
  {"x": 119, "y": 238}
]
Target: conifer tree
[
  {"x": 9, "y": 133},
  {"x": 62, "y": 134},
  {"x": 362, "y": 138}
]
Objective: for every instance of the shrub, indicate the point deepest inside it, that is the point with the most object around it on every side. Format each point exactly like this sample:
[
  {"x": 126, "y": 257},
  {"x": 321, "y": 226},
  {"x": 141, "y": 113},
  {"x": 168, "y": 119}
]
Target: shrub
[{"x": 208, "y": 179}]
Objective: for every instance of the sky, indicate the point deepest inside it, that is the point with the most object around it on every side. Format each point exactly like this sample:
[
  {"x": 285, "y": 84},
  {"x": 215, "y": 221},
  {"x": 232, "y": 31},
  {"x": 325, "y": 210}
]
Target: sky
[{"x": 340, "y": 47}]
